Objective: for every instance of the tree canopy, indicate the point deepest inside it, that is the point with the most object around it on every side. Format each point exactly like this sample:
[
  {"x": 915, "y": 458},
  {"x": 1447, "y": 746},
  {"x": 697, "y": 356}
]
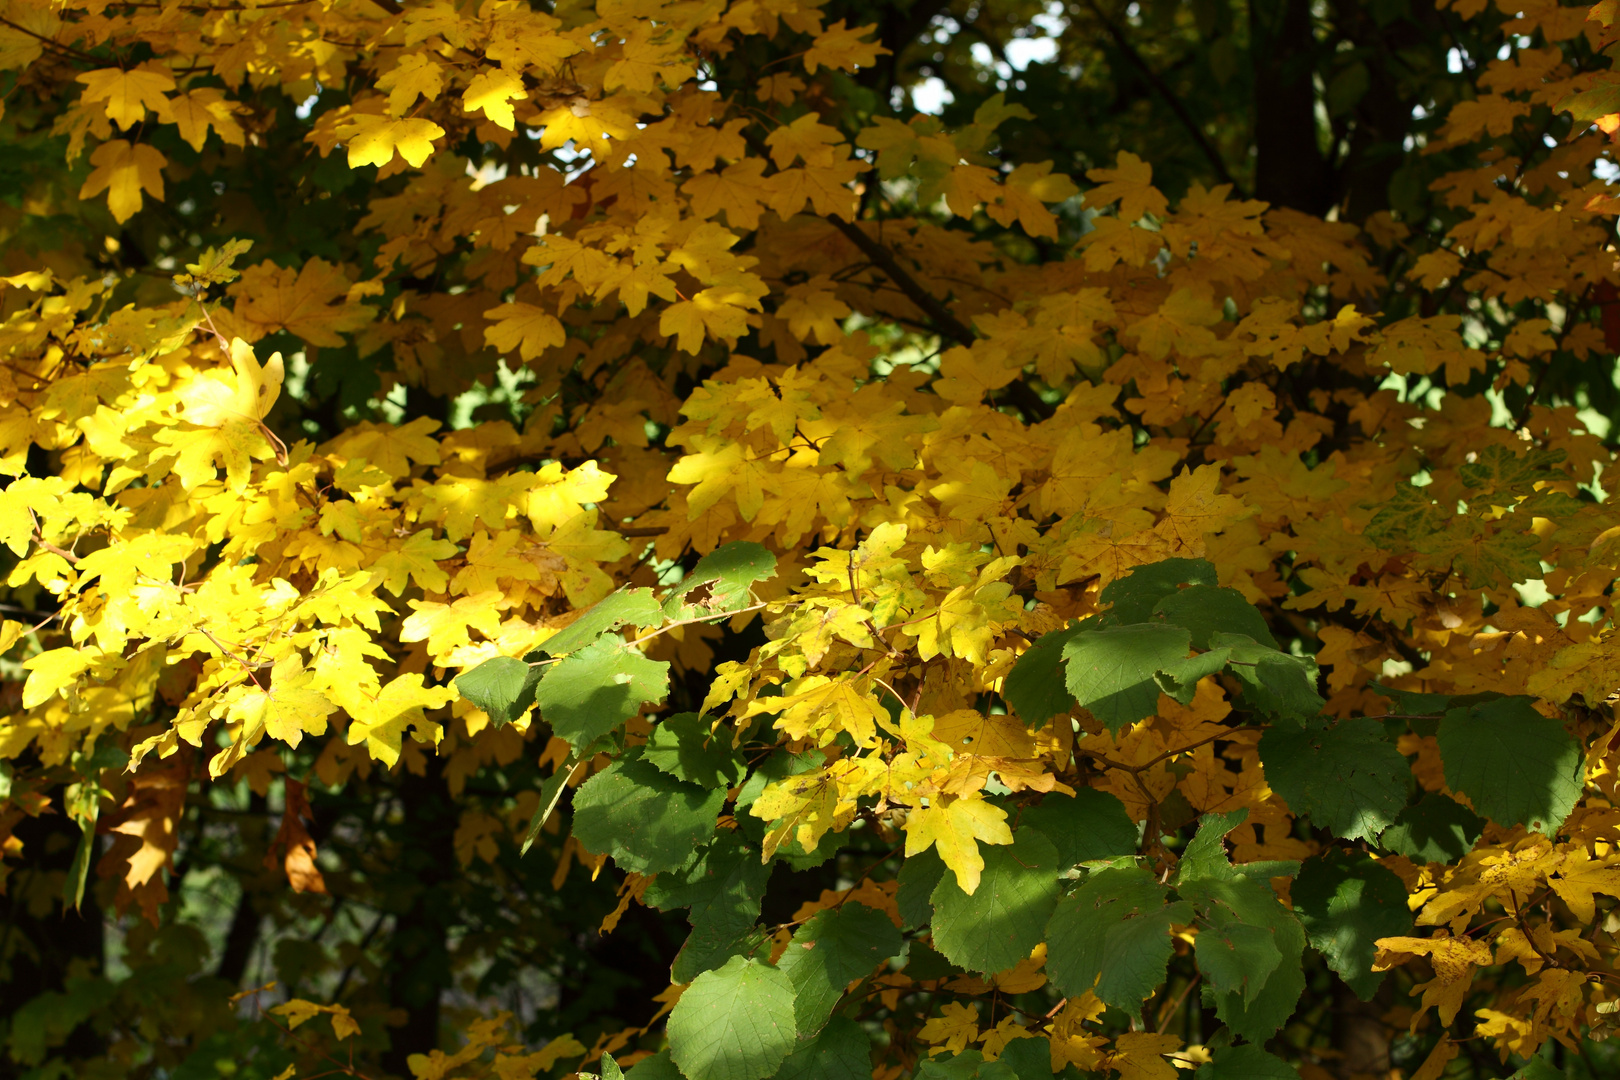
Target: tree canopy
[{"x": 733, "y": 539}]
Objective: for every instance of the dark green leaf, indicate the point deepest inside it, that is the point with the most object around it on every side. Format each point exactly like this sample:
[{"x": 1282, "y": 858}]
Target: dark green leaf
[
  {"x": 827, "y": 952},
  {"x": 1114, "y": 932},
  {"x": 1254, "y": 1012},
  {"x": 502, "y": 686},
  {"x": 1405, "y": 517},
  {"x": 1515, "y": 765},
  {"x": 1344, "y": 776},
  {"x": 1346, "y": 903},
  {"x": 724, "y": 889},
  {"x": 627, "y": 607},
  {"x": 1111, "y": 671},
  {"x": 733, "y": 1023},
  {"x": 1245, "y": 1063},
  {"x": 1034, "y": 688},
  {"x": 1539, "y": 1068},
  {"x": 1205, "y": 610},
  {"x": 684, "y": 747},
  {"x": 657, "y": 1067},
  {"x": 842, "y": 1051},
  {"x": 1027, "y": 1059},
  {"x": 1088, "y": 825},
  {"x": 1001, "y": 922},
  {"x": 1499, "y": 470},
  {"x": 1206, "y": 853},
  {"x": 1411, "y": 703},
  {"x": 963, "y": 1066},
  {"x": 1435, "y": 829},
  {"x": 1279, "y": 684},
  {"x": 647, "y": 821},
  {"x": 727, "y": 571},
  {"x": 1179, "y": 679},
  {"x": 919, "y": 875},
  {"x": 1236, "y": 957},
  {"x": 598, "y": 688},
  {"x": 1135, "y": 595}
]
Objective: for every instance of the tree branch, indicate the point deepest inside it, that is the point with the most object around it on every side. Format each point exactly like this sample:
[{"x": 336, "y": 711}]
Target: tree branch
[{"x": 1169, "y": 97}]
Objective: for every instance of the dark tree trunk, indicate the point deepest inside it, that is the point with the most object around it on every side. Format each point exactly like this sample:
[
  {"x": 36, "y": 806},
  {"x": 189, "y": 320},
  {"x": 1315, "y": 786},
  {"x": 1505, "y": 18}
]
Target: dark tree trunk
[
  {"x": 418, "y": 963},
  {"x": 38, "y": 952},
  {"x": 1290, "y": 168}
]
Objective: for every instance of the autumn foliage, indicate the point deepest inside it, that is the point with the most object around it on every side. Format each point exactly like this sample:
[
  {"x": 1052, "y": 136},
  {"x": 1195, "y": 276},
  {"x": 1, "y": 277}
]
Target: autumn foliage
[{"x": 592, "y": 538}]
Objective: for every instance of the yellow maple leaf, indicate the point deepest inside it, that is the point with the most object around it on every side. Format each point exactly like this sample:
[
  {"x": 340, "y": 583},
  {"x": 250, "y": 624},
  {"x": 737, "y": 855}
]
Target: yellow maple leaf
[
  {"x": 128, "y": 94},
  {"x": 1131, "y": 185},
  {"x": 1138, "y": 1055},
  {"x": 315, "y": 301},
  {"x": 807, "y": 139},
  {"x": 416, "y": 75},
  {"x": 373, "y": 140},
  {"x": 839, "y": 46},
  {"x": 215, "y": 399},
  {"x": 492, "y": 93},
  {"x": 198, "y": 110},
  {"x": 416, "y": 559},
  {"x": 380, "y": 723},
  {"x": 1195, "y": 508},
  {"x": 288, "y": 710},
  {"x": 953, "y": 830},
  {"x": 52, "y": 671},
  {"x": 123, "y": 170},
  {"x": 523, "y": 328},
  {"x": 955, "y": 1027}
]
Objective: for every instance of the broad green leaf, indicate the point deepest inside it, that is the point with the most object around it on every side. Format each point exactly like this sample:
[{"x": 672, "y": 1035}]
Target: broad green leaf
[
  {"x": 1279, "y": 684},
  {"x": 594, "y": 690},
  {"x": 1088, "y": 825},
  {"x": 1134, "y": 596},
  {"x": 1034, "y": 688},
  {"x": 647, "y": 821},
  {"x": 610, "y": 1068},
  {"x": 1539, "y": 1068},
  {"x": 1435, "y": 829},
  {"x": 550, "y": 793},
  {"x": 727, "y": 571},
  {"x": 1179, "y": 679},
  {"x": 963, "y": 1066},
  {"x": 827, "y": 952},
  {"x": 841, "y": 1051},
  {"x": 1113, "y": 934},
  {"x": 1516, "y": 766},
  {"x": 1205, "y": 610},
  {"x": 627, "y": 607},
  {"x": 1499, "y": 470},
  {"x": 1345, "y": 775},
  {"x": 1256, "y": 1013},
  {"x": 1245, "y": 1063},
  {"x": 1346, "y": 903},
  {"x": 1000, "y": 924},
  {"x": 1027, "y": 1059},
  {"x": 733, "y": 1023},
  {"x": 1239, "y": 946},
  {"x": 1411, "y": 703},
  {"x": 1205, "y": 855},
  {"x": 657, "y": 1067},
  {"x": 1111, "y": 671},
  {"x": 502, "y": 686},
  {"x": 723, "y": 888},
  {"x": 1222, "y": 891},
  {"x": 683, "y": 746},
  {"x": 1236, "y": 957},
  {"x": 919, "y": 876}
]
